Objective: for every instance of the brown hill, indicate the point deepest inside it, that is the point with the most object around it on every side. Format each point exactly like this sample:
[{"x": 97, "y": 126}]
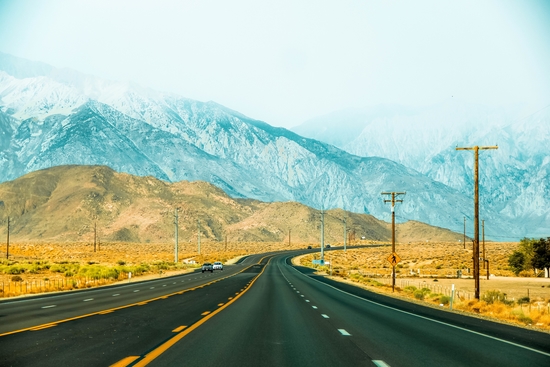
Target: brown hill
[{"x": 63, "y": 203}]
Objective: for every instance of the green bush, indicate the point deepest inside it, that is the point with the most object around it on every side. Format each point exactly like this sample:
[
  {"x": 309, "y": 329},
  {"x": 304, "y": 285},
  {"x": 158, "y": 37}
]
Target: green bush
[
  {"x": 410, "y": 288},
  {"x": 418, "y": 294},
  {"x": 495, "y": 296},
  {"x": 445, "y": 300},
  {"x": 121, "y": 262}
]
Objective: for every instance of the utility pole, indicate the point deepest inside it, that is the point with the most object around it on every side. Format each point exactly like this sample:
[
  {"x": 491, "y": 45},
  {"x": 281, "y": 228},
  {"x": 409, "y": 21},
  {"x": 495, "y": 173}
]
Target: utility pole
[
  {"x": 483, "y": 239},
  {"x": 176, "y": 257},
  {"x": 393, "y": 200},
  {"x": 199, "y": 235},
  {"x": 464, "y": 233},
  {"x": 322, "y": 237},
  {"x": 8, "y": 241},
  {"x": 225, "y": 243},
  {"x": 476, "y": 150},
  {"x": 345, "y": 233},
  {"x": 95, "y": 235},
  {"x": 289, "y": 238}
]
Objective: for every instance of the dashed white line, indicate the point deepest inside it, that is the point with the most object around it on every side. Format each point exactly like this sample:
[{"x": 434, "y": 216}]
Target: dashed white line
[
  {"x": 344, "y": 332},
  {"x": 152, "y": 288},
  {"x": 114, "y": 295},
  {"x": 301, "y": 295},
  {"x": 325, "y": 316},
  {"x": 380, "y": 363},
  {"x": 315, "y": 307},
  {"x": 50, "y": 306},
  {"x": 307, "y": 300},
  {"x": 137, "y": 290},
  {"x": 89, "y": 299},
  {"x": 164, "y": 285}
]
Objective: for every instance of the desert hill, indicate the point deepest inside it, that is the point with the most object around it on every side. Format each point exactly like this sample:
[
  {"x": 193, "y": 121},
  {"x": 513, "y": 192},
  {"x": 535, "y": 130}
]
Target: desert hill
[{"x": 64, "y": 203}]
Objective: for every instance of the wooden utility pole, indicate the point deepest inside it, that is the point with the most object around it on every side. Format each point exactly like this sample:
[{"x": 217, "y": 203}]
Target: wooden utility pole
[
  {"x": 199, "y": 235},
  {"x": 176, "y": 257},
  {"x": 225, "y": 243},
  {"x": 8, "y": 241},
  {"x": 393, "y": 200},
  {"x": 95, "y": 236},
  {"x": 465, "y": 233},
  {"x": 483, "y": 239},
  {"x": 322, "y": 237},
  {"x": 476, "y": 150},
  {"x": 345, "y": 234}
]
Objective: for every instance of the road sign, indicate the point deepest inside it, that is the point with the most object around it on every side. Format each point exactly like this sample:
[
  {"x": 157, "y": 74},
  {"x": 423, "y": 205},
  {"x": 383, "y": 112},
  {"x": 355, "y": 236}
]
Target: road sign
[{"x": 394, "y": 259}]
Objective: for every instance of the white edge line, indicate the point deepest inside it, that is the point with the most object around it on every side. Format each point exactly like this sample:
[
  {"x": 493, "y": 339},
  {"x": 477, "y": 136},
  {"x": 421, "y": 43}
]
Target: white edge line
[
  {"x": 426, "y": 318},
  {"x": 344, "y": 332},
  {"x": 380, "y": 363}
]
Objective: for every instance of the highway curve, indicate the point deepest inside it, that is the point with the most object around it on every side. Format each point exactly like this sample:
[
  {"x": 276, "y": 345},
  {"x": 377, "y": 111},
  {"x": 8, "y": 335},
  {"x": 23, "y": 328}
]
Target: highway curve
[{"x": 273, "y": 314}]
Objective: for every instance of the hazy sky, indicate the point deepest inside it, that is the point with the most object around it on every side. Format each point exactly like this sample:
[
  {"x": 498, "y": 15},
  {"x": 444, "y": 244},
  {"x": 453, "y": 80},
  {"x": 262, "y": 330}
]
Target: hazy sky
[{"x": 287, "y": 61}]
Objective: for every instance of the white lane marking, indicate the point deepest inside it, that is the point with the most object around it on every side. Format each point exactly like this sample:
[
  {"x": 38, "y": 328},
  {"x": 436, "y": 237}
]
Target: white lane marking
[
  {"x": 89, "y": 299},
  {"x": 297, "y": 291},
  {"x": 114, "y": 295},
  {"x": 315, "y": 307},
  {"x": 164, "y": 285},
  {"x": 307, "y": 300},
  {"x": 50, "y": 306},
  {"x": 426, "y": 318},
  {"x": 152, "y": 288},
  {"x": 174, "y": 283},
  {"x": 380, "y": 363},
  {"x": 137, "y": 290},
  {"x": 301, "y": 295},
  {"x": 344, "y": 332},
  {"x": 325, "y": 316}
]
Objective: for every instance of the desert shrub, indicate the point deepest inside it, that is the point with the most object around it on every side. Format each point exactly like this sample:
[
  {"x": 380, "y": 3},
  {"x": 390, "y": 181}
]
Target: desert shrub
[
  {"x": 493, "y": 296},
  {"x": 121, "y": 262},
  {"x": 525, "y": 319},
  {"x": 16, "y": 278},
  {"x": 444, "y": 300},
  {"x": 524, "y": 300},
  {"x": 418, "y": 294},
  {"x": 410, "y": 288},
  {"x": 110, "y": 273},
  {"x": 68, "y": 274},
  {"x": 15, "y": 270}
]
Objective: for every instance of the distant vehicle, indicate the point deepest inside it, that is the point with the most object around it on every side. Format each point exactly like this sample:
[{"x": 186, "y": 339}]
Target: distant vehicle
[
  {"x": 217, "y": 265},
  {"x": 309, "y": 247},
  {"x": 207, "y": 267},
  {"x": 327, "y": 245}
]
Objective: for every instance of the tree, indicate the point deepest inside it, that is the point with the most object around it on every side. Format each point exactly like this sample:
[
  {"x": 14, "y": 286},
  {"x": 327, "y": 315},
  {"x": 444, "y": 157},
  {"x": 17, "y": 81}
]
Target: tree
[
  {"x": 526, "y": 247},
  {"x": 541, "y": 254},
  {"x": 516, "y": 261}
]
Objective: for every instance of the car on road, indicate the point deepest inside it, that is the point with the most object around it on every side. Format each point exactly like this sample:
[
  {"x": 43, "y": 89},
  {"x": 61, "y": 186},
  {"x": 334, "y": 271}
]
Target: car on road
[
  {"x": 309, "y": 247},
  {"x": 207, "y": 267},
  {"x": 218, "y": 265}
]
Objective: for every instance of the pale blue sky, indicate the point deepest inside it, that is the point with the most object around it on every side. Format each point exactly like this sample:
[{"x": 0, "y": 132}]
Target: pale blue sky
[{"x": 287, "y": 61}]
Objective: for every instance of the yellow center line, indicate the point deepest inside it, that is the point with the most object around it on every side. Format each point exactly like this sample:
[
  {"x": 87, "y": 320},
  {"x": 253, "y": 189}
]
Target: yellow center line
[
  {"x": 103, "y": 312},
  {"x": 205, "y": 313},
  {"x": 220, "y": 304},
  {"x": 149, "y": 357},
  {"x": 178, "y": 329},
  {"x": 43, "y": 327},
  {"x": 125, "y": 362}
]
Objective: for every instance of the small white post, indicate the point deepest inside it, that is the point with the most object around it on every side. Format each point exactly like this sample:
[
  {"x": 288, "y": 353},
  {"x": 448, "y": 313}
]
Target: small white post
[
  {"x": 129, "y": 276},
  {"x": 452, "y": 295}
]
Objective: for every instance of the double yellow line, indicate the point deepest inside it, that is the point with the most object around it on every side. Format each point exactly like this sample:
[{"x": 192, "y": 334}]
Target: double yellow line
[
  {"x": 141, "y": 303},
  {"x": 149, "y": 357}
]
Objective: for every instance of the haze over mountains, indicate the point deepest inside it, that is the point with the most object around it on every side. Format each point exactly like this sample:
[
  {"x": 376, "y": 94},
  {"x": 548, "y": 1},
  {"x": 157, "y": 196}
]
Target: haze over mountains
[
  {"x": 514, "y": 180},
  {"x": 51, "y": 117}
]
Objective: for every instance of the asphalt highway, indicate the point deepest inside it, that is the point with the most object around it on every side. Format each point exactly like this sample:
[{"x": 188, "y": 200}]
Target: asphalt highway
[{"x": 264, "y": 312}]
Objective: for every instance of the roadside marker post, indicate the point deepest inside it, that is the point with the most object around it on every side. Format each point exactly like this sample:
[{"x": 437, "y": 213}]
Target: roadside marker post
[{"x": 452, "y": 295}]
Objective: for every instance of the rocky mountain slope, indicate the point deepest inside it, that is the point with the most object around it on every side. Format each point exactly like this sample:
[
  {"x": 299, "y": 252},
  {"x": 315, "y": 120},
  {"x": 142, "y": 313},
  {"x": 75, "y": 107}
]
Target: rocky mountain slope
[
  {"x": 51, "y": 117},
  {"x": 64, "y": 202},
  {"x": 514, "y": 180}
]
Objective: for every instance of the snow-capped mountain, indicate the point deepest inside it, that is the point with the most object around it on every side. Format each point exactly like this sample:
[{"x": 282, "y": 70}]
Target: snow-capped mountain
[
  {"x": 514, "y": 180},
  {"x": 51, "y": 117}
]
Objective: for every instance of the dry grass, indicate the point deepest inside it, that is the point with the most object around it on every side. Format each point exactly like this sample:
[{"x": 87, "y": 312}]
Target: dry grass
[{"x": 427, "y": 271}]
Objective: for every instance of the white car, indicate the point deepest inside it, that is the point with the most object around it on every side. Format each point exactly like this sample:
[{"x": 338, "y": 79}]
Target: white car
[{"x": 218, "y": 265}]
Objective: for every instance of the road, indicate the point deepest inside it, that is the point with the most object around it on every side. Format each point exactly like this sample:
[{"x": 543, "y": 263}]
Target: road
[{"x": 263, "y": 312}]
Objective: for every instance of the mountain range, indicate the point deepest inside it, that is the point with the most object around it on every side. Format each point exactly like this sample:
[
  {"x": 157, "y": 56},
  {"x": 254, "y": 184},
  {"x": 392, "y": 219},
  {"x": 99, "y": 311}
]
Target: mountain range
[
  {"x": 65, "y": 203},
  {"x": 51, "y": 117}
]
